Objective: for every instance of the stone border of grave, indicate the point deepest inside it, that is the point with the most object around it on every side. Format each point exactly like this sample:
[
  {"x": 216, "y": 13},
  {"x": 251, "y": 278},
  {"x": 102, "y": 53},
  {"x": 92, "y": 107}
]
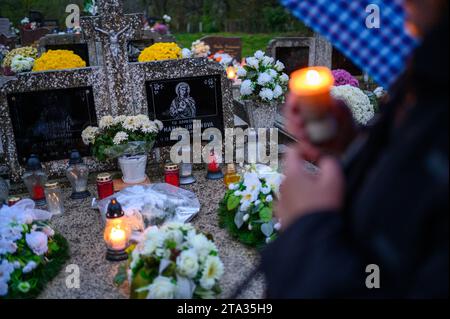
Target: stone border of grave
[
  {"x": 174, "y": 69},
  {"x": 49, "y": 80}
]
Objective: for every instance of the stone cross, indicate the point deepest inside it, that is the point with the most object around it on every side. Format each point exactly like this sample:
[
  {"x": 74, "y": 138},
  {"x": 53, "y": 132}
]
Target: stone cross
[{"x": 113, "y": 29}]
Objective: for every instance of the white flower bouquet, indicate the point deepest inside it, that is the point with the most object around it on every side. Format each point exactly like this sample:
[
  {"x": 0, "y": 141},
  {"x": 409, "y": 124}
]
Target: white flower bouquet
[
  {"x": 358, "y": 102},
  {"x": 263, "y": 79},
  {"x": 21, "y": 64},
  {"x": 247, "y": 208},
  {"x": 200, "y": 49},
  {"x": 174, "y": 262},
  {"x": 122, "y": 135},
  {"x": 30, "y": 252}
]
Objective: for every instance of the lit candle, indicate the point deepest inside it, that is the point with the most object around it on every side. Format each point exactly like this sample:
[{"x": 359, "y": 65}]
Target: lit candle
[
  {"x": 118, "y": 238},
  {"x": 312, "y": 87},
  {"x": 231, "y": 73}
]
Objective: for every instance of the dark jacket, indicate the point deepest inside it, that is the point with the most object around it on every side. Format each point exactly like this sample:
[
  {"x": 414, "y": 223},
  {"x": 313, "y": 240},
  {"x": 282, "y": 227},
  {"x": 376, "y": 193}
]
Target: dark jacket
[{"x": 396, "y": 212}]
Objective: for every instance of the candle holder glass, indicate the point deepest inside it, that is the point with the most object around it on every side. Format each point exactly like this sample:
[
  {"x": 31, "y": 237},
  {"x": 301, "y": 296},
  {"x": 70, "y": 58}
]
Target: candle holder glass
[
  {"x": 78, "y": 173},
  {"x": 54, "y": 198},
  {"x": 35, "y": 179},
  {"x": 213, "y": 167},
  {"x": 117, "y": 232},
  {"x": 186, "y": 174}
]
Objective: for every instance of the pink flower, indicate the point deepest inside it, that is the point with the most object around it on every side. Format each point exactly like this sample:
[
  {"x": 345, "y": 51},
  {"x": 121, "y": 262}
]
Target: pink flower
[{"x": 342, "y": 77}]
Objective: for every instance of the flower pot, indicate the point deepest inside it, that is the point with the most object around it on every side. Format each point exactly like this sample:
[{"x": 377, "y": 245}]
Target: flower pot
[
  {"x": 261, "y": 115},
  {"x": 133, "y": 168}
]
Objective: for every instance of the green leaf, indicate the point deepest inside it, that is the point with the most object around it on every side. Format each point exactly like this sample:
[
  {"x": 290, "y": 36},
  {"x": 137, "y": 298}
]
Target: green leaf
[
  {"x": 233, "y": 202},
  {"x": 265, "y": 214}
]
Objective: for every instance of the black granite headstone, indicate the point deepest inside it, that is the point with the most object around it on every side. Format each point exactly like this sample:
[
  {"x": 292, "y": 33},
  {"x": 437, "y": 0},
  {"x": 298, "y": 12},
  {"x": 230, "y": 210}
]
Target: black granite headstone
[
  {"x": 49, "y": 123},
  {"x": 177, "y": 102},
  {"x": 80, "y": 49},
  {"x": 294, "y": 58}
]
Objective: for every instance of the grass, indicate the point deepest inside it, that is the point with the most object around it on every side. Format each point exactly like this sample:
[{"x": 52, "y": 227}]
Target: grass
[{"x": 250, "y": 42}]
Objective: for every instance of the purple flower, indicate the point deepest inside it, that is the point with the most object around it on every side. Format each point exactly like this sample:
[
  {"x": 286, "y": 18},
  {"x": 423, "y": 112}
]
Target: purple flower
[
  {"x": 342, "y": 77},
  {"x": 161, "y": 28}
]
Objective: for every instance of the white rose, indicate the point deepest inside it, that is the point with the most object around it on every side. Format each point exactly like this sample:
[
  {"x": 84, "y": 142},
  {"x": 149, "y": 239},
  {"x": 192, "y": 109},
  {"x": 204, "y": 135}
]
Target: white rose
[
  {"x": 277, "y": 92},
  {"x": 253, "y": 62},
  {"x": 187, "y": 263},
  {"x": 29, "y": 267},
  {"x": 284, "y": 78},
  {"x": 241, "y": 72},
  {"x": 186, "y": 53},
  {"x": 247, "y": 87},
  {"x": 264, "y": 78},
  {"x": 259, "y": 54},
  {"x": 161, "y": 288},
  {"x": 279, "y": 66},
  {"x": 266, "y": 94},
  {"x": 37, "y": 241},
  {"x": 202, "y": 245},
  {"x": 267, "y": 60}
]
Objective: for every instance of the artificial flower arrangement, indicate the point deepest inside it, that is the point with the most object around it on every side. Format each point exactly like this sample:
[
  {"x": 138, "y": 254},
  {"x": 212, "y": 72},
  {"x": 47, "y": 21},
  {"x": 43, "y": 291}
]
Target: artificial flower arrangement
[
  {"x": 200, "y": 49},
  {"x": 263, "y": 79},
  {"x": 121, "y": 135},
  {"x": 223, "y": 58},
  {"x": 27, "y": 25},
  {"x": 246, "y": 210},
  {"x": 58, "y": 60},
  {"x": 173, "y": 262},
  {"x": 160, "y": 51},
  {"x": 30, "y": 252},
  {"x": 358, "y": 102},
  {"x": 26, "y": 52}
]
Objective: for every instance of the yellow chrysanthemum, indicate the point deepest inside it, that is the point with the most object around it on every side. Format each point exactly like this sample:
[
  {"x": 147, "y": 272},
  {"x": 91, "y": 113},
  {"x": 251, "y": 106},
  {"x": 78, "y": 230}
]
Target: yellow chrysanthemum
[
  {"x": 58, "y": 60},
  {"x": 27, "y": 52},
  {"x": 160, "y": 51}
]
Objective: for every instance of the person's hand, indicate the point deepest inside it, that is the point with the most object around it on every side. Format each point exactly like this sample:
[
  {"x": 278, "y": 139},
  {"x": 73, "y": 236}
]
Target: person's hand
[
  {"x": 303, "y": 192},
  {"x": 295, "y": 125}
]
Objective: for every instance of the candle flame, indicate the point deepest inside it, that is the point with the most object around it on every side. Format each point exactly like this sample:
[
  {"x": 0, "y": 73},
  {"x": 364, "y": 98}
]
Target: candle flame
[
  {"x": 231, "y": 73},
  {"x": 313, "y": 77}
]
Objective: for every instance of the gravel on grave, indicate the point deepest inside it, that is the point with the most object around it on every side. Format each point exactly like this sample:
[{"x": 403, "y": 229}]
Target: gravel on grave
[{"x": 83, "y": 228}]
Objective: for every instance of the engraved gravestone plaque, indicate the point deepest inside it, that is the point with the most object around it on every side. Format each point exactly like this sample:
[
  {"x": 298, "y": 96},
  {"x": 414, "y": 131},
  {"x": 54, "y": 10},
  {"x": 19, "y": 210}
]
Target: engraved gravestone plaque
[
  {"x": 177, "y": 102},
  {"x": 49, "y": 123}
]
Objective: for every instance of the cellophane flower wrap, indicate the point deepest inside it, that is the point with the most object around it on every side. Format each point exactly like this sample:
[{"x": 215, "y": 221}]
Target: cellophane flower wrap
[
  {"x": 174, "y": 262},
  {"x": 263, "y": 79},
  {"x": 30, "y": 251},
  {"x": 247, "y": 207},
  {"x": 200, "y": 49},
  {"x": 122, "y": 136}
]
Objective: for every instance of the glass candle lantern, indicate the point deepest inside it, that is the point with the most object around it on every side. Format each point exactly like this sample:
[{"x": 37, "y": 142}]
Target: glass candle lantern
[
  {"x": 213, "y": 167},
  {"x": 35, "y": 179},
  {"x": 186, "y": 174},
  {"x": 172, "y": 174},
  {"x": 54, "y": 198},
  {"x": 231, "y": 175},
  {"x": 77, "y": 173},
  {"x": 105, "y": 185},
  {"x": 4, "y": 192},
  {"x": 117, "y": 232}
]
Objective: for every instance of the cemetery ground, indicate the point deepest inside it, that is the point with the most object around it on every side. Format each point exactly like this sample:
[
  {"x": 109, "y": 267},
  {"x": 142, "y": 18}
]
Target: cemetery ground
[{"x": 250, "y": 42}]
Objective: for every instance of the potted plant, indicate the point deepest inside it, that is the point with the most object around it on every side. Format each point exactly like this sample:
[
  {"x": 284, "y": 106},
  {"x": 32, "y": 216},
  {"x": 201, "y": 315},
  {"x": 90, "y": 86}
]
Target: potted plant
[
  {"x": 263, "y": 88},
  {"x": 128, "y": 138}
]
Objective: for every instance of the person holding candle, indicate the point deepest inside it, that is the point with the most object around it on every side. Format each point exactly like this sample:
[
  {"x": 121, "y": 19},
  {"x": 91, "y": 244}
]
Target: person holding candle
[{"x": 373, "y": 222}]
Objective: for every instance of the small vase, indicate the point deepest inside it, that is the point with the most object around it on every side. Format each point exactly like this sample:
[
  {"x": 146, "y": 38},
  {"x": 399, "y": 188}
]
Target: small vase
[
  {"x": 133, "y": 168},
  {"x": 261, "y": 115}
]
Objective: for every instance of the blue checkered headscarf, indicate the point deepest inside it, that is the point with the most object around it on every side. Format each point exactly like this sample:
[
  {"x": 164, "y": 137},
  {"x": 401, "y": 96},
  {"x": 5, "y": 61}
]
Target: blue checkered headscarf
[{"x": 381, "y": 52}]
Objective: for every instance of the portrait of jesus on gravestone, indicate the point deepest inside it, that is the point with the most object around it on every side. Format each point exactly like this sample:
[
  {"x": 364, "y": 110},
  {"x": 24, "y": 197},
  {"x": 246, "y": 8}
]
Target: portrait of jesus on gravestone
[{"x": 183, "y": 106}]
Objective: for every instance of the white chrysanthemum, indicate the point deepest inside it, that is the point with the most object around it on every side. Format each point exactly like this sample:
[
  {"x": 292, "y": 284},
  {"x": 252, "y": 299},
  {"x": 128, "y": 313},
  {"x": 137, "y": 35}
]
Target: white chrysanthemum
[
  {"x": 131, "y": 123},
  {"x": 212, "y": 272},
  {"x": 259, "y": 54},
  {"x": 284, "y": 78},
  {"x": 247, "y": 87},
  {"x": 187, "y": 263},
  {"x": 149, "y": 128},
  {"x": 89, "y": 135},
  {"x": 267, "y": 60},
  {"x": 253, "y": 62},
  {"x": 161, "y": 288},
  {"x": 106, "y": 122},
  {"x": 277, "y": 92},
  {"x": 241, "y": 72},
  {"x": 356, "y": 100},
  {"x": 279, "y": 66},
  {"x": 119, "y": 119},
  {"x": 266, "y": 94},
  {"x": 264, "y": 78},
  {"x": 186, "y": 53},
  {"x": 20, "y": 64},
  {"x": 120, "y": 138}
]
